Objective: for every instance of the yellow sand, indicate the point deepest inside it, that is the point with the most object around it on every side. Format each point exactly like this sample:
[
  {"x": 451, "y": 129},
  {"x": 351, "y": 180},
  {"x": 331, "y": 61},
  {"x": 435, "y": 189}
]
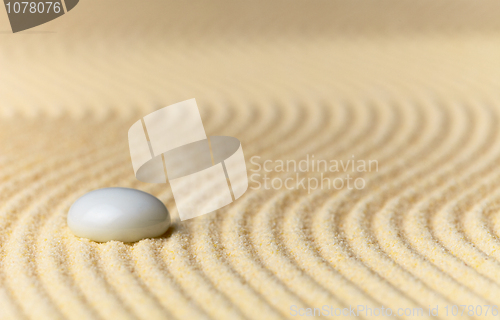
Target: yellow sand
[{"x": 415, "y": 86}]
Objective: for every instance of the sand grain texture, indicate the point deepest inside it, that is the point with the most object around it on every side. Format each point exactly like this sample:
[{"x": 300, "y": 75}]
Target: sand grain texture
[{"x": 414, "y": 86}]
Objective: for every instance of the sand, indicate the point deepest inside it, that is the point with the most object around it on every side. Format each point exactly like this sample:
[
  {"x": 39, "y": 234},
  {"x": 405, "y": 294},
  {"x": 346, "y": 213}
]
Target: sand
[{"x": 413, "y": 86}]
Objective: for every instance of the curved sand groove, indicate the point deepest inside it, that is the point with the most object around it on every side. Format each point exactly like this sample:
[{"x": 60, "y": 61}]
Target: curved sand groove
[
  {"x": 441, "y": 260},
  {"x": 52, "y": 265},
  {"x": 368, "y": 251},
  {"x": 327, "y": 222},
  {"x": 215, "y": 242},
  {"x": 476, "y": 228},
  {"x": 299, "y": 229},
  {"x": 207, "y": 232},
  {"x": 371, "y": 208},
  {"x": 58, "y": 257},
  {"x": 274, "y": 291},
  {"x": 21, "y": 238}
]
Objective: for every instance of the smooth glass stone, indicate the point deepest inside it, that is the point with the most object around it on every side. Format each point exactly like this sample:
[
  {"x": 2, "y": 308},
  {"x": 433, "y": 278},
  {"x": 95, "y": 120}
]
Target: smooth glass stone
[{"x": 120, "y": 214}]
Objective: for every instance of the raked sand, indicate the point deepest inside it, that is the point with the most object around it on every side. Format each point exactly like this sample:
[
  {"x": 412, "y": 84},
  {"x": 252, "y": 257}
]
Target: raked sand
[{"x": 415, "y": 87}]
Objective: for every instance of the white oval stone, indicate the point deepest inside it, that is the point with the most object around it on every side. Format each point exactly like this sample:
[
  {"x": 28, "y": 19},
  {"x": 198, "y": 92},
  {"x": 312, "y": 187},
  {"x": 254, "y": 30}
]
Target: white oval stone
[{"x": 121, "y": 214}]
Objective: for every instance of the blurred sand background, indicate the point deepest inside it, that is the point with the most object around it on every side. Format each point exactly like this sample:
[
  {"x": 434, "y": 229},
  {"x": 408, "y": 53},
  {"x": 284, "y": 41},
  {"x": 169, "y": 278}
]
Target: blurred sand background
[{"x": 413, "y": 85}]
